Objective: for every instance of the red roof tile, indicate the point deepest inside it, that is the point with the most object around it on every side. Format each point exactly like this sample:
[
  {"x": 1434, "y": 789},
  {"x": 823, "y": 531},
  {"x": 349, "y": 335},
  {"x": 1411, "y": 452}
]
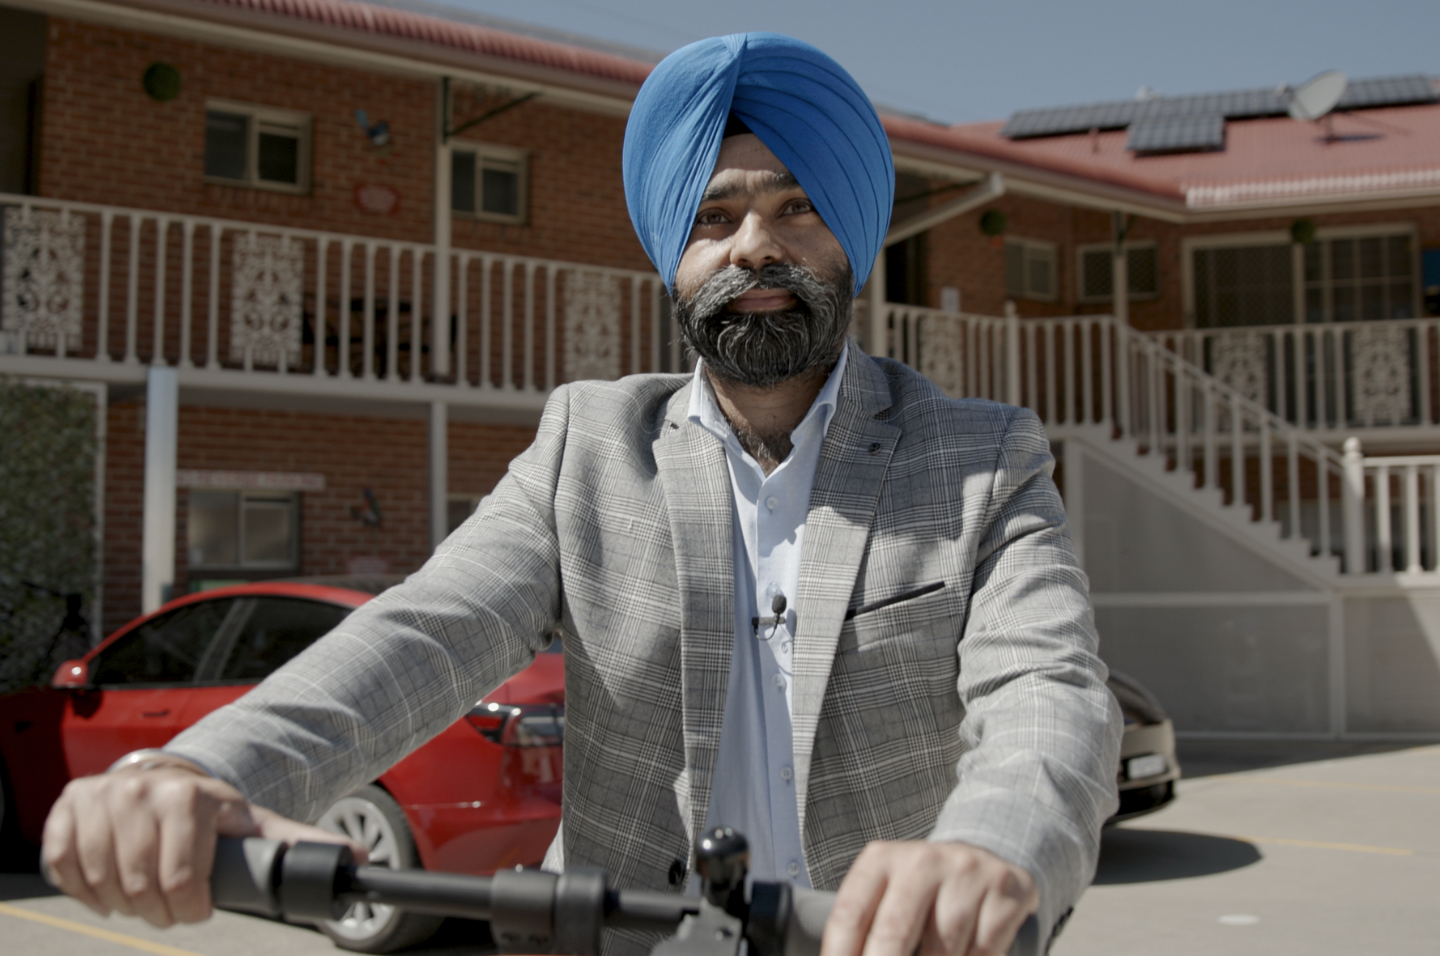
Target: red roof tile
[{"x": 368, "y": 18}]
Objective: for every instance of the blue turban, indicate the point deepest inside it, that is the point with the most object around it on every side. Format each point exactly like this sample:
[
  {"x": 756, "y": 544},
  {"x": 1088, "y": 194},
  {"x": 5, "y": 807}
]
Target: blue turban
[{"x": 802, "y": 105}]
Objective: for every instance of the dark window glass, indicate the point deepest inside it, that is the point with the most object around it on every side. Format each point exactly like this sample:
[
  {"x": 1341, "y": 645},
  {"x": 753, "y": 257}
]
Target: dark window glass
[
  {"x": 500, "y": 190},
  {"x": 462, "y": 181},
  {"x": 1143, "y": 267},
  {"x": 210, "y": 522},
  {"x": 1243, "y": 285},
  {"x": 269, "y": 531},
  {"x": 165, "y": 650},
  {"x": 277, "y": 630},
  {"x": 226, "y": 141},
  {"x": 278, "y": 160},
  {"x": 1096, "y": 273}
]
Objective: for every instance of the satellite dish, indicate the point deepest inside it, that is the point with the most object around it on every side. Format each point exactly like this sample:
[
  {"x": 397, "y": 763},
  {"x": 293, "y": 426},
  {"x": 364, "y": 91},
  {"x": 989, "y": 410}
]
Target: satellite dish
[{"x": 1318, "y": 95}]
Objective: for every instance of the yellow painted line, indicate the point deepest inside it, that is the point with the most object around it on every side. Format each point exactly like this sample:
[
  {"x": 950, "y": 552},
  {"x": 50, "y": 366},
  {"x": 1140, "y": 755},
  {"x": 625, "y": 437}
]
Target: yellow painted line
[
  {"x": 1328, "y": 785},
  {"x": 120, "y": 939},
  {"x": 1320, "y": 845}
]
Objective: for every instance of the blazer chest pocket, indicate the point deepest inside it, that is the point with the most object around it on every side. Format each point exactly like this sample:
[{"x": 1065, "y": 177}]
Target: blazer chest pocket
[{"x": 917, "y": 622}]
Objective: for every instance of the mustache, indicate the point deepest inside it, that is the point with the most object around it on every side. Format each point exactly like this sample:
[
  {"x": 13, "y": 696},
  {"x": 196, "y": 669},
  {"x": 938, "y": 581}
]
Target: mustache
[{"x": 731, "y": 282}]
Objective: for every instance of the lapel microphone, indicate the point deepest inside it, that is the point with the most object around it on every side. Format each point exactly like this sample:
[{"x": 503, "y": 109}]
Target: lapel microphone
[{"x": 776, "y": 618}]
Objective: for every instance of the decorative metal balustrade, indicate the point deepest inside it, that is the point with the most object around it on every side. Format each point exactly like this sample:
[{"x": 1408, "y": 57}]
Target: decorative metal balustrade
[
  {"x": 1332, "y": 377},
  {"x": 137, "y": 287}
]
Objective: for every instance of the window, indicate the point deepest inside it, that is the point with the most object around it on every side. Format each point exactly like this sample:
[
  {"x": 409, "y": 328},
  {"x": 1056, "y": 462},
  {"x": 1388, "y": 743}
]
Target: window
[
  {"x": 1030, "y": 269},
  {"x": 489, "y": 182},
  {"x": 243, "y": 529},
  {"x": 166, "y": 650},
  {"x": 275, "y": 630},
  {"x": 1360, "y": 279},
  {"x": 1096, "y": 267},
  {"x": 1344, "y": 276},
  {"x": 257, "y": 147}
]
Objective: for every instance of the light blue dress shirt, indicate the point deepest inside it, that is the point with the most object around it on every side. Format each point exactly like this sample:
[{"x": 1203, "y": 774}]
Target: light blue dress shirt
[{"x": 754, "y": 786}]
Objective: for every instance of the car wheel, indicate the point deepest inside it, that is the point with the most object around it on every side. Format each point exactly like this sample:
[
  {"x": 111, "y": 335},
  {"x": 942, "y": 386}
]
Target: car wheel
[{"x": 371, "y": 817}]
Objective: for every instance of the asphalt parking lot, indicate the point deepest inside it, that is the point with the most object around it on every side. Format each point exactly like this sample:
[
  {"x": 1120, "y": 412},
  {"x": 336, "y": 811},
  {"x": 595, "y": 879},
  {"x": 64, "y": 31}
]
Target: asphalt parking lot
[{"x": 1273, "y": 849}]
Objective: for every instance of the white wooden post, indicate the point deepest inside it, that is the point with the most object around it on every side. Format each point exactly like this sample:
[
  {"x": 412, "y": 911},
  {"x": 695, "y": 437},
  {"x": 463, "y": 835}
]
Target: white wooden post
[
  {"x": 439, "y": 472},
  {"x": 1012, "y": 354},
  {"x": 1353, "y": 505},
  {"x": 162, "y": 432},
  {"x": 878, "y": 344}
]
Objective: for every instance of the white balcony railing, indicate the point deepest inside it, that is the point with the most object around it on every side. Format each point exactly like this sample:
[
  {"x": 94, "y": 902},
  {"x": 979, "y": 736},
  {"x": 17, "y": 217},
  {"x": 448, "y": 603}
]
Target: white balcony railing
[
  {"x": 1332, "y": 377},
  {"x": 88, "y": 291},
  {"x": 1093, "y": 371},
  {"x": 138, "y": 287},
  {"x": 1392, "y": 522}
]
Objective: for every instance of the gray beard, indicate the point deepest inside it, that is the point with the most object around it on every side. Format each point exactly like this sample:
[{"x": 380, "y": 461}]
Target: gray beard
[{"x": 763, "y": 349}]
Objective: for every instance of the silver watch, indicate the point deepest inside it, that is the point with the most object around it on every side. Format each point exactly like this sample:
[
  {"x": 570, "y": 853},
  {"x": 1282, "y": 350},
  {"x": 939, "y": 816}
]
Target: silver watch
[{"x": 146, "y": 759}]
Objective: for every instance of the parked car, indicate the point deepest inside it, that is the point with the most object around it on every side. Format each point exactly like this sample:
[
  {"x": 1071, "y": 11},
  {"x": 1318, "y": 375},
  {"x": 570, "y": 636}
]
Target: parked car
[
  {"x": 1148, "y": 765},
  {"x": 483, "y": 795}
]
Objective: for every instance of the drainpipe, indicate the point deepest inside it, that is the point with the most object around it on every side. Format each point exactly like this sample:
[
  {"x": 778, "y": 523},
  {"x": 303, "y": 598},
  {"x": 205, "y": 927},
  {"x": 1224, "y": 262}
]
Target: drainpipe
[
  {"x": 439, "y": 472},
  {"x": 162, "y": 431},
  {"x": 440, "y": 299}
]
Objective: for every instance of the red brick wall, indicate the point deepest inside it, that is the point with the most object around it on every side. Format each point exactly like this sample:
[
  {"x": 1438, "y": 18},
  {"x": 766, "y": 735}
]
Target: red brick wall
[
  {"x": 961, "y": 256},
  {"x": 104, "y": 140},
  {"x": 387, "y": 455}
]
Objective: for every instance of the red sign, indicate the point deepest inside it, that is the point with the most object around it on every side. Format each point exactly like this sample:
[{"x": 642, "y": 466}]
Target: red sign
[{"x": 372, "y": 197}]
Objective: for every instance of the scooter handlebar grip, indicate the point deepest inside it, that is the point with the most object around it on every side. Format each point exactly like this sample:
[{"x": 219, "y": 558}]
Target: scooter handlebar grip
[
  {"x": 809, "y": 909},
  {"x": 246, "y": 875}
]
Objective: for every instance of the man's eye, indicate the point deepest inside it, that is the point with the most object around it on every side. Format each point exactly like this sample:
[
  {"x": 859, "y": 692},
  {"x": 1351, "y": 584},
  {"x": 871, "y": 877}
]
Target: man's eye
[
  {"x": 710, "y": 217},
  {"x": 799, "y": 206}
]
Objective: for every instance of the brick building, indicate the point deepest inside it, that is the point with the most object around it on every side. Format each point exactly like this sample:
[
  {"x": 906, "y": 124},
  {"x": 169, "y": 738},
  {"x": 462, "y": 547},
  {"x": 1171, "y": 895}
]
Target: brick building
[{"x": 324, "y": 262}]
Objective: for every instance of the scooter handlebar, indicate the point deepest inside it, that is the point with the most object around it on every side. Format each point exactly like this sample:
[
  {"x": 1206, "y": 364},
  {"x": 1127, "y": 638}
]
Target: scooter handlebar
[{"x": 529, "y": 910}]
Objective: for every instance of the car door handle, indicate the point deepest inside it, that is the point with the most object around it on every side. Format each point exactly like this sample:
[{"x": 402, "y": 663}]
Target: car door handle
[{"x": 155, "y": 713}]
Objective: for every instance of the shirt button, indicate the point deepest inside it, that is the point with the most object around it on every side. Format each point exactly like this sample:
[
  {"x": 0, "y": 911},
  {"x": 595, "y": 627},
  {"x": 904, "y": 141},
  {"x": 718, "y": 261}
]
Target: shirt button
[
  {"x": 793, "y": 869},
  {"x": 779, "y": 681},
  {"x": 786, "y": 773},
  {"x": 772, "y": 502}
]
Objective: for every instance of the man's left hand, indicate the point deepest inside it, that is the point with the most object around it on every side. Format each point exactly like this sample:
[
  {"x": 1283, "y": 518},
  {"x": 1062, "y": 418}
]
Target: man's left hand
[{"x": 937, "y": 898}]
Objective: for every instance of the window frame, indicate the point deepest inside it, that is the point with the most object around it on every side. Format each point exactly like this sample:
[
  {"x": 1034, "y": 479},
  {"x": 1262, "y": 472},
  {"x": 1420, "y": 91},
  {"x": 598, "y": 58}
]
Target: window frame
[
  {"x": 1109, "y": 247},
  {"x": 258, "y": 115},
  {"x": 240, "y": 566},
  {"x": 505, "y": 154},
  {"x": 1280, "y": 237},
  {"x": 1031, "y": 247}
]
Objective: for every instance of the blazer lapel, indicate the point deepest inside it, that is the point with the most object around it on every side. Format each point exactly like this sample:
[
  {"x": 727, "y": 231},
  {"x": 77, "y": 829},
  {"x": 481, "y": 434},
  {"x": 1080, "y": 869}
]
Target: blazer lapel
[
  {"x": 696, "y": 480},
  {"x": 853, "y": 461}
]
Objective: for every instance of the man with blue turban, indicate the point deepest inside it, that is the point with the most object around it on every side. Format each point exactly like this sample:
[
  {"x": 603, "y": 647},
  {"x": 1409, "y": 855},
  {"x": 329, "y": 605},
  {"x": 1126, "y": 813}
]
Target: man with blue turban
[{"x": 802, "y": 592}]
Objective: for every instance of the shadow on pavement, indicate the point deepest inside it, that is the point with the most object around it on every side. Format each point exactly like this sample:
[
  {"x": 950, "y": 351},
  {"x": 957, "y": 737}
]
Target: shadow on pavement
[
  {"x": 1148, "y": 856},
  {"x": 1205, "y": 758}
]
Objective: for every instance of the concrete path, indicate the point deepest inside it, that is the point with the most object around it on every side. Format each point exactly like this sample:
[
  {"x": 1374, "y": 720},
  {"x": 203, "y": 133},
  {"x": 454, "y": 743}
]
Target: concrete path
[
  {"x": 1320, "y": 850},
  {"x": 1275, "y": 850}
]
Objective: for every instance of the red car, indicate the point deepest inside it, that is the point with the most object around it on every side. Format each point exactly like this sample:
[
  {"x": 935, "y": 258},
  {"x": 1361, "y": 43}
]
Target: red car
[{"x": 483, "y": 795}]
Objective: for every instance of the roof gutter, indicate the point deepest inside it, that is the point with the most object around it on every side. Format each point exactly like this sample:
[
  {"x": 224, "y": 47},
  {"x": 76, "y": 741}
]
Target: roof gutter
[
  {"x": 316, "y": 42},
  {"x": 992, "y": 188}
]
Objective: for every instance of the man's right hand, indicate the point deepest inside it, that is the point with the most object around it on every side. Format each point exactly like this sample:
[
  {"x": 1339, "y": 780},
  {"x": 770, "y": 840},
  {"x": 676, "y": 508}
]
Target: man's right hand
[{"x": 142, "y": 841}]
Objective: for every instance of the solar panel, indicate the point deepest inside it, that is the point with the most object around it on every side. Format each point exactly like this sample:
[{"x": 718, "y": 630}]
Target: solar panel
[
  {"x": 1235, "y": 104},
  {"x": 1177, "y": 133}
]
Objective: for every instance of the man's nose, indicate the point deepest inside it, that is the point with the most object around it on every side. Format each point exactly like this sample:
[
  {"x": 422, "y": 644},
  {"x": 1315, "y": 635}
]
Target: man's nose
[{"x": 755, "y": 243}]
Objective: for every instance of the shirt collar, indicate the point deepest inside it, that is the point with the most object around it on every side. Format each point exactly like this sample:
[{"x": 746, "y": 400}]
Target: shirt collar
[{"x": 705, "y": 408}]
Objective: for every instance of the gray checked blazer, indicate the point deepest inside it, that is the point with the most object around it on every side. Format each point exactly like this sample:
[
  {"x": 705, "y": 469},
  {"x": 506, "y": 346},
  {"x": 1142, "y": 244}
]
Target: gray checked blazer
[{"x": 946, "y": 679}]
